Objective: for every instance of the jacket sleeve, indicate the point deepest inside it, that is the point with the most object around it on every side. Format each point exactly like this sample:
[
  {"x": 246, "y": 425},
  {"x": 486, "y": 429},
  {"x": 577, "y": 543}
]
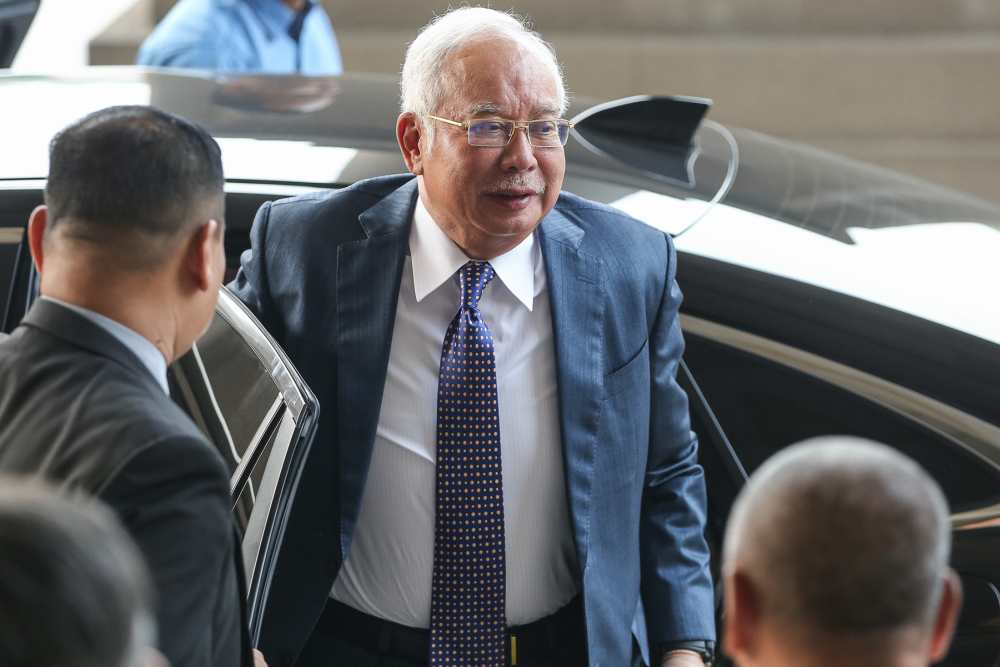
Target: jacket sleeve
[
  {"x": 677, "y": 589},
  {"x": 173, "y": 498},
  {"x": 252, "y": 284}
]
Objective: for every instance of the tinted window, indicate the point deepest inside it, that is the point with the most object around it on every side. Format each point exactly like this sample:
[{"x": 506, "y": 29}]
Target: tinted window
[
  {"x": 764, "y": 406},
  {"x": 227, "y": 391},
  {"x": 8, "y": 254},
  {"x": 15, "y": 207},
  {"x": 243, "y": 509},
  {"x": 252, "y": 404}
]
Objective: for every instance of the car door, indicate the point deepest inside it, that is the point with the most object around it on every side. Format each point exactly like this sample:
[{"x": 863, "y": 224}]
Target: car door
[{"x": 769, "y": 393}]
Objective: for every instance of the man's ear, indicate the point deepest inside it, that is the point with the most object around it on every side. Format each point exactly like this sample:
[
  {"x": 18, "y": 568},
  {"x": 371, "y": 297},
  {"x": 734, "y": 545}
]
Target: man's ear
[
  {"x": 742, "y": 615},
  {"x": 947, "y": 616},
  {"x": 409, "y": 132},
  {"x": 199, "y": 255},
  {"x": 36, "y": 235}
]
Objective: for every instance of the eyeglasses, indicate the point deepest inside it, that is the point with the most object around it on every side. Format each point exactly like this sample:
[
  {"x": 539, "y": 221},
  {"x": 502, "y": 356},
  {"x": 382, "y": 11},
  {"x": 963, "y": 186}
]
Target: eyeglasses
[{"x": 495, "y": 132}]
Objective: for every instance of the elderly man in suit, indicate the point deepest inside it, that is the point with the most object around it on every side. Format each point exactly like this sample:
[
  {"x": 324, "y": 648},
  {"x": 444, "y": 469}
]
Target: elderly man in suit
[
  {"x": 129, "y": 249},
  {"x": 505, "y": 472},
  {"x": 836, "y": 555}
]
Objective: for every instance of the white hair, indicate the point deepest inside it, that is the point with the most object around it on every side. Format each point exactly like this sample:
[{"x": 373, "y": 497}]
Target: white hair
[{"x": 424, "y": 84}]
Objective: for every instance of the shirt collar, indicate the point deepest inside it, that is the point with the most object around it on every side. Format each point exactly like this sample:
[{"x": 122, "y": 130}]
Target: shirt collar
[
  {"x": 436, "y": 258},
  {"x": 136, "y": 343},
  {"x": 276, "y": 12}
]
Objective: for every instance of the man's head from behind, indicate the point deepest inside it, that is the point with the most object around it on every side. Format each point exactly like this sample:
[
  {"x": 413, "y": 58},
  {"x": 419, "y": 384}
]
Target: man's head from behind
[
  {"x": 74, "y": 591},
  {"x": 837, "y": 553},
  {"x": 480, "y": 64},
  {"x": 134, "y": 207}
]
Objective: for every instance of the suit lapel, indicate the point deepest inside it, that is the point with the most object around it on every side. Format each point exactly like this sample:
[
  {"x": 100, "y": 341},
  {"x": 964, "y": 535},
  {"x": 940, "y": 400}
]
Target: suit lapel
[
  {"x": 368, "y": 276},
  {"x": 577, "y": 299}
]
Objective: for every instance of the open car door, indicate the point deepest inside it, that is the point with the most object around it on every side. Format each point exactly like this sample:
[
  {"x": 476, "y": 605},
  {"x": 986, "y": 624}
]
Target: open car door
[{"x": 239, "y": 387}]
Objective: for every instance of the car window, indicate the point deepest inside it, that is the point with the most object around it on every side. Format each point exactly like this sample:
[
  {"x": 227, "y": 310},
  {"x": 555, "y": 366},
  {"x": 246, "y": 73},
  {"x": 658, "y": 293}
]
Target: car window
[
  {"x": 244, "y": 393},
  {"x": 232, "y": 398},
  {"x": 765, "y": 406},
  {"x": 17, "y": 200},
  {"x": 10, "y": 237}
]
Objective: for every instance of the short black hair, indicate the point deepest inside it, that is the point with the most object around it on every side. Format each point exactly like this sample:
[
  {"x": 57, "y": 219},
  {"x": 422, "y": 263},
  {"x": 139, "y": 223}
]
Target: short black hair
[
  {"x": 133, "y": 168},
  {"x": 74, "y": 590}
]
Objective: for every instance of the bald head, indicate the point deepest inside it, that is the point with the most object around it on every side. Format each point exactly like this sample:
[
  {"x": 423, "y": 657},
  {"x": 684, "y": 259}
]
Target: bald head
[{"x": 841, "y": 537}]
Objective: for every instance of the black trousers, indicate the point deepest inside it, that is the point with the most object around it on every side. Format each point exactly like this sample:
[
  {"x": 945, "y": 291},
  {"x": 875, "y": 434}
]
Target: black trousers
[{"x": 340, "y": 644}]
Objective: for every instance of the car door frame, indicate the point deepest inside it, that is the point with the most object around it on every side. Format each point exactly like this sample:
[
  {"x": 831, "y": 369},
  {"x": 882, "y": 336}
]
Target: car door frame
[{"x": 288, "y": 428}]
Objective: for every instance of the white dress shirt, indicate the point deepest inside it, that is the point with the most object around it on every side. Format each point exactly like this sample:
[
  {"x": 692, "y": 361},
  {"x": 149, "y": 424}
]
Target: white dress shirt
[
  {"x": 139, "y": 345},
  {"x": 388, "y": 570}
]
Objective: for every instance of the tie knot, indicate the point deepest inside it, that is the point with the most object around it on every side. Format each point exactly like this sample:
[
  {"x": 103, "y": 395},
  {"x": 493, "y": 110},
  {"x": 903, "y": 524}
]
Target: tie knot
[{"x": 472, "y": 279}]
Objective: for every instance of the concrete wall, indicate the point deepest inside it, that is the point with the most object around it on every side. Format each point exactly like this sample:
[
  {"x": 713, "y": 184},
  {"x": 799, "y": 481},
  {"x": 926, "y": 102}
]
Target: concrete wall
[
  {"x": 909, "y": 84},
  {"x": 700, "y": 16}
]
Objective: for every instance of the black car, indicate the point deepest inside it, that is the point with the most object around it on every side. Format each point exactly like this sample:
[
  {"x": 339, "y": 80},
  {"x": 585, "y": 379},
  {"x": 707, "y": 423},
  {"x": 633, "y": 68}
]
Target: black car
[{"x": 821, "y": 295}]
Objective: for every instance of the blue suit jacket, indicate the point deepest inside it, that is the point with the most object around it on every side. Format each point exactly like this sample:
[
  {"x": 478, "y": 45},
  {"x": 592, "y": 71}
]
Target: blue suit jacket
[{"x": 323, "y": 276}]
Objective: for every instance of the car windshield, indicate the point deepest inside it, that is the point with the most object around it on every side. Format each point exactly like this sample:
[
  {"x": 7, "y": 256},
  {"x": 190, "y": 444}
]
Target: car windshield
[{"x": 829, "y": 194}]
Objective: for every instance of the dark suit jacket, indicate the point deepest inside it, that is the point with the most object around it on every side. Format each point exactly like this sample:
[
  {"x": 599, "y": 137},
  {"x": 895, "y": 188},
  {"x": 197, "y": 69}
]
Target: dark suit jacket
[
  {"x": 77, "y": 407},
  {"x": 323, "y": 275}
]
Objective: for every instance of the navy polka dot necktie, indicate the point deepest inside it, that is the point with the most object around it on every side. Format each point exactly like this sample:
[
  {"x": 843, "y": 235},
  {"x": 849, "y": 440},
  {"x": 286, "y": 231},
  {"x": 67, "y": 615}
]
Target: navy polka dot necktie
[{"x": 468, "y": 619}]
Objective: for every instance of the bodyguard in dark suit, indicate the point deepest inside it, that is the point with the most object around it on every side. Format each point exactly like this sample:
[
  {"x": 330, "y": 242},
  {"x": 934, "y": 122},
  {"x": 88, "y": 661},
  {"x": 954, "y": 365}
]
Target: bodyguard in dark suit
[
  {"x": 504, "y": 472},
  {"x": 129, "y": 249}
]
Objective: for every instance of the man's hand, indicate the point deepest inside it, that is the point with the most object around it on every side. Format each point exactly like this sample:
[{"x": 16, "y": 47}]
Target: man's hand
[
  {"x": 258, "y": 659},
  {"x": 681, "y": 658}
]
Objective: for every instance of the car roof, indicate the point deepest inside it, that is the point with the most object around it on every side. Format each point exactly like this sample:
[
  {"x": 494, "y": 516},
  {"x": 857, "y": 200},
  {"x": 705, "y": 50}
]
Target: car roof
[
  {"x": 753, "y": 200},
  {"x": 358, "y": 112}
]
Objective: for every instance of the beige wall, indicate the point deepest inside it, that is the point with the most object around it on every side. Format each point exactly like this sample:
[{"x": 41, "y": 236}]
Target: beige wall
[
  {"x": 685, "y": 16},
  {"x": 910, "y": 84}
]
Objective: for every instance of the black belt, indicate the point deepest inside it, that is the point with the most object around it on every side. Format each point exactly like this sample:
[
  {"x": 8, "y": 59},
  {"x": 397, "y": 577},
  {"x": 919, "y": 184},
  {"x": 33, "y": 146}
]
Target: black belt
[{"x": 549, "y": 636}]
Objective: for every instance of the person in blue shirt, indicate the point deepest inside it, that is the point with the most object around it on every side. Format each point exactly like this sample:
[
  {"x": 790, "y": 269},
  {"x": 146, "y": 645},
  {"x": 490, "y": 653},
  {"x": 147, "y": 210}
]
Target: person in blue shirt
[{"x": 251, "y": 36}]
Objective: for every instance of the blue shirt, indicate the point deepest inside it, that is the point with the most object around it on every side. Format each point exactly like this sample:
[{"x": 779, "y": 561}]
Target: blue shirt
[
  {"x": 249, "y": 36},
  {"x": 137, "y": 344}
]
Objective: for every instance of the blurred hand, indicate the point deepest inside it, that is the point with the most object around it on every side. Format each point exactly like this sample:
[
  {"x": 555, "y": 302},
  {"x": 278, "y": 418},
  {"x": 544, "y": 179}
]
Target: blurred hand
[
  {"x": 258, "y": 659},
  {"x": 155, "y": 659},
  {"x": 682, "y": 659}
]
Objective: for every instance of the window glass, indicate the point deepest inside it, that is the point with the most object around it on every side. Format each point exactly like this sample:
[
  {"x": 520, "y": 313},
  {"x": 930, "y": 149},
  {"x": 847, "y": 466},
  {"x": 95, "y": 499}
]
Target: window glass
[
  {"x": 17, "y": 200},
  {"x": 8, "y": 254},
  {"x": 248, "y": 495},
  {"x": 764, "y": 406},
  {"x": 226, "y": 389}
]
